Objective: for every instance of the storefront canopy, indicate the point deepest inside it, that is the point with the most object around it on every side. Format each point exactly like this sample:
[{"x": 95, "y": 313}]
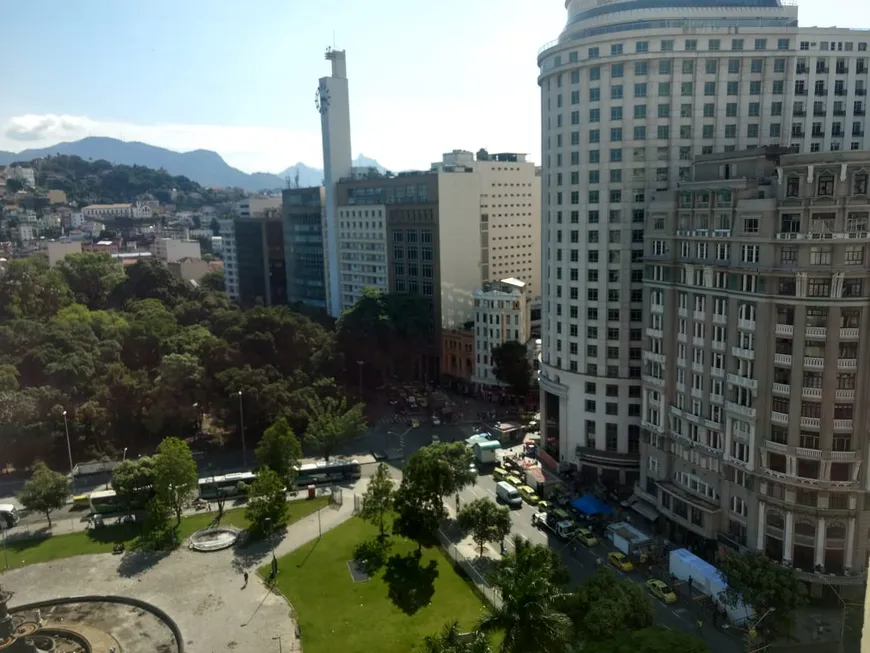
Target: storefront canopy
[{"x": 589, "y": 504}]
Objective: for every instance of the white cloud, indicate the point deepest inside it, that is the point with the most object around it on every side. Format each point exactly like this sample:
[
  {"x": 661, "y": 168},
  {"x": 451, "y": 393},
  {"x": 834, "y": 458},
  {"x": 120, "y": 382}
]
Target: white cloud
[{"x": 252, "y": 149}]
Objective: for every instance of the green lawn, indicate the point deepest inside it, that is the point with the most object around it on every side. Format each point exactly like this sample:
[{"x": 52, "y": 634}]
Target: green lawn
[
  {"x": 32, "y": 551},
  {"x": 391, "y": 612}
]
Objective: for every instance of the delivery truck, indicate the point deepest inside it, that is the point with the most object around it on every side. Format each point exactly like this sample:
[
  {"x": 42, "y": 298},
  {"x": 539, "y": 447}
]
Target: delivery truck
[
  {"x": 485, "y": 452},
  {"x": 556, "y": 522}
]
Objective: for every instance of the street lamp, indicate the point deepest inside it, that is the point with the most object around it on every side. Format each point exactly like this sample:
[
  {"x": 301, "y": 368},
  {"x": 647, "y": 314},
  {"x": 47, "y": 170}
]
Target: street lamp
[
  {"x": 124, "y": 456},
  {"x": 69, "y": 451},
  {"x": 242, "y": 423},
  {"x": 360, "y": 364}
]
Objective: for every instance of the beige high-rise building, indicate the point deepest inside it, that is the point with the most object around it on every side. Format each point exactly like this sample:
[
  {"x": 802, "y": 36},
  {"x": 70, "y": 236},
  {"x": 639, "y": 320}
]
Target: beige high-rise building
[{"x": 755, "y": 399}]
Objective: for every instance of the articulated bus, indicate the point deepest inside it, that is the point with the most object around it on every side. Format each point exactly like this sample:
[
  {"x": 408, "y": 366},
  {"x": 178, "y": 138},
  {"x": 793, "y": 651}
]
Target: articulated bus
[
  {"x": 226, "y": 486},
  {"x": 334, "y": 471}
]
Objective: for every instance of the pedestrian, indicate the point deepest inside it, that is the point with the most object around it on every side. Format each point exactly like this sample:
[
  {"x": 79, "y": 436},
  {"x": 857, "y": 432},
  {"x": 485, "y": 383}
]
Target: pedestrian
[
  {"x": 700, "y": 625},
  {"x": 690, "y": 581},
  {"x": 246, "y": 578}
]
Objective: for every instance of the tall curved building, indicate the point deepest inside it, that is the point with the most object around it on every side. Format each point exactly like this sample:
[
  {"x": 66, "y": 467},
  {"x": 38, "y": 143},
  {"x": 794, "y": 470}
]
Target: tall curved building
[{"x": 631, "y": 93}]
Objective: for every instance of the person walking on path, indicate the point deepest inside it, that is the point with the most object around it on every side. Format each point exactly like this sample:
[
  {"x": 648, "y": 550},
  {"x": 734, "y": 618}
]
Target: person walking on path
[{"x": 246, "y": 580}]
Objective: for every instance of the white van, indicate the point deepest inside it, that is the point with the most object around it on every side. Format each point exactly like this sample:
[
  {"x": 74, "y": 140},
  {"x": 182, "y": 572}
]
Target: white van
[
  {"x": 508, "y": 494},
  {"x": 8, "y": 515}
]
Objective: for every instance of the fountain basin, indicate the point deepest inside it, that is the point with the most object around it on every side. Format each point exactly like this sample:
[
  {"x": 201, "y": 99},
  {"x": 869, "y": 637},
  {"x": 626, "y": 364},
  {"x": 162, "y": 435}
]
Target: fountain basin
[{"x": 216, "y": 538}]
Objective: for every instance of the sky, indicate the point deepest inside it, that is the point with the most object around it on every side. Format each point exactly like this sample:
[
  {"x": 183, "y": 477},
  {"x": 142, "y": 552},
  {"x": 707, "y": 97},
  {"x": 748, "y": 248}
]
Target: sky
[{"x": 239, "y": 77}]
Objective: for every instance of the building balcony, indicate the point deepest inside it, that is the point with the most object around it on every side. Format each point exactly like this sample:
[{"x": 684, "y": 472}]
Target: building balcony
[
  {"x": 743, "y": 382},
  {"x": 821, "y": 113},
  {"x": 717, "y": 372},
  {"x": 781, "y": 389},
  {"x": 682, "y": 337},
  {"x": 651, "y": 426},
  {"x": 698, "y": 368},
  {"x": 743, "y": 353},
  {"x": 843, "y": 425},
  {"x": 784, "y": 330},
  {"x": 717, "y": 399},
  {"x": 656, "y": 358},
  {"x": 746, "y": 411},
  {"x": 777, "y": 447},
  {"x": 718, "y": 345},
  {"x": 720, "y": 319},
  {"x": 683, "y": 312},
  {"x": 655, "y": 333},
  {"x": 799, "y": 113},
  {"x": 658, "y": 309},
  {"x": 812, "y": 454},
  {"x": 845, "y": 455},
  {"x": 697, "y": 393},
  {"x": 816, "y": 332},
  {"x": 701, "y": 316},
  {"x": 779, "y": 418},
  {"x": 813, "y": 363},
  {"x": 844, "y": 394},
  {"x": 746, "y": 325},
  {"x": 653, "y": 381},
  {"x": 782, "y": 359},
  {"x": 811, "y": 423},
  {"x": 857, "y": 133},
  {"x": 811, "y": 393},
  {"x": 849, "y": 334},
  {"x": 847, "y": 364}
]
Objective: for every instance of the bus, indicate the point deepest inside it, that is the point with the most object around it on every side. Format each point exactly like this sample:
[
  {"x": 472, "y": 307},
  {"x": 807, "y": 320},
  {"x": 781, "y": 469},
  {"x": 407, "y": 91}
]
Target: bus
[
  {"x": 225, "y": 486},
  {"x": 334, "y": 471},
  {"x": 104, "y": 502}
]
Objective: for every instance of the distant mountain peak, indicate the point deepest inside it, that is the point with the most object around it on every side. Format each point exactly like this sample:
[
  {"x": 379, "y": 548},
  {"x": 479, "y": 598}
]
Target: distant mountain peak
[{"x": 205, "y": 167}]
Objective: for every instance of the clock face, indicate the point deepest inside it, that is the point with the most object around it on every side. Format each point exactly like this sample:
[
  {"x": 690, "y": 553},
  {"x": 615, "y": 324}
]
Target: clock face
[{"x": 321, "y": 99}]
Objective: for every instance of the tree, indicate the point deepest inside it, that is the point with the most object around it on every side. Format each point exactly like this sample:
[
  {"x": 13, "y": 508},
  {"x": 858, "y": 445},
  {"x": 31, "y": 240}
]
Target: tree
[
  {"x": 754, "y": 579},
  {"x": 175, "y": 478},
  {"x": 267, "y": 510},
  {"x": 440, "y": 470},
  {"x": 648, "y": 640},
  {"x": 130, "y": 478},
  {"x": 333, "y": 423},
  {"x": 45, "y": 492},
  {"x": 529, "y": 616},
  {"x": 378, "y": 497},
  {"x": 603, "y": 600},
  {"x": 214, "y": 281},
  {"x": 417, "y": 518},
  {"x": 511, "y": 366},
  {"x": 280, "y": 451},
  {"x": 451, "y": 640},
  {"x": 92, "y": 277},
  {"x": 486, "y": 521},
  {"x": 13, "y": 185}
]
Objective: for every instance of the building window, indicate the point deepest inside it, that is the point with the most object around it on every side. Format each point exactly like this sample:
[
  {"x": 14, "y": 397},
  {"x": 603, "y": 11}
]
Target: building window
[{"x": 825, "y": 185}]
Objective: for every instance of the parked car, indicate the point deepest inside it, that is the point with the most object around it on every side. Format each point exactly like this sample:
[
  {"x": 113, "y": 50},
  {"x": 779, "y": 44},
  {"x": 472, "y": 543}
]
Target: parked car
[
  {"x": 661, "y": 591},
  {"x": 620, "y": 561}
]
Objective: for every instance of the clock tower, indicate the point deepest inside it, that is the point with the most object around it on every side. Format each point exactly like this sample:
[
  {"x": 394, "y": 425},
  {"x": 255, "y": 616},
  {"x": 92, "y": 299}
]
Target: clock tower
[{"x": 331, "y": 99}]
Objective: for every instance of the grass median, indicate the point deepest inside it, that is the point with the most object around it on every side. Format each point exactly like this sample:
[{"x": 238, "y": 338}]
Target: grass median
[
  {"x": 31, "y": 551},
  {"x": 405, "y": 598}
]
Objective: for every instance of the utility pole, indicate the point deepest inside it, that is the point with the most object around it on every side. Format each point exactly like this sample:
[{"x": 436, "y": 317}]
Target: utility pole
[
  {"x": 242, "y": 425},
  {"x": 72, "y": 476}
]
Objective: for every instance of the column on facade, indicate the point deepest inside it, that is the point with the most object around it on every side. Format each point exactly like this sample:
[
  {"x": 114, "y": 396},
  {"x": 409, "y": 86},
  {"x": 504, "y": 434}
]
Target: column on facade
[
  {"x": 727, "y": 443},
  {"x": 788, "y": 538},
  {"x": 820, "y": 542},
  {"x": 850, "y": 543},
  {"x": 565, "y": 452},
  {"x": 762, "y": 515}
]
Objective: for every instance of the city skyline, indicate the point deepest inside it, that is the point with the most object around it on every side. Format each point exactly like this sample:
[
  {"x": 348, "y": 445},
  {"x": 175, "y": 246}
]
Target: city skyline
[{"x": 234, "y": 100}]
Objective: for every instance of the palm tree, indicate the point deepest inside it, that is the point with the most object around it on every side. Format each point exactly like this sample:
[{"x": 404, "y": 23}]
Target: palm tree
[
  {"x": 451, "y": 640},
  {"x": 531, "y": 588}
]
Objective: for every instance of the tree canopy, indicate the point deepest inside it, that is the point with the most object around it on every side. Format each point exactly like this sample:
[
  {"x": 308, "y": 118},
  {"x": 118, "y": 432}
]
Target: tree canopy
[
  {"x": 134, "y": 355},
  {"x": 45, "y": 492},
  {"x": 511, "y": 366}
]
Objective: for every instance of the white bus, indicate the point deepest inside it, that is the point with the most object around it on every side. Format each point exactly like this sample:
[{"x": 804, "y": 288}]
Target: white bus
[{"x": 226, "y": 486}]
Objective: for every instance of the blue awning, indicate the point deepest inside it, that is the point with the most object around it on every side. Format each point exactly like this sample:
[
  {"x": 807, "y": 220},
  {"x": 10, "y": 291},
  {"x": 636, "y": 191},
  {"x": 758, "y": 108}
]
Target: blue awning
[{"x": 589, "y": 504}]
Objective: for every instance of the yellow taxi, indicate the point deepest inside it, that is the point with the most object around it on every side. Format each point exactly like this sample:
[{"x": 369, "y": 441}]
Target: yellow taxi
[
  {"x": 619, "y": 561},
  {"x": 543, "y": 506},
  {"x": 661, "y": 591},
  {"x": 513, "y": 479},
  {"x": 586, "y": 536},
  {"x": 499, "y": 473},
  {"x": 529, "y": 495}
]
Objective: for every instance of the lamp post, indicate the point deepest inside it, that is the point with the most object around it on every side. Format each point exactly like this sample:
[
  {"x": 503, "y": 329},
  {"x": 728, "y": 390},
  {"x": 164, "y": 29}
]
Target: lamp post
[
  {"x": 242, "y": 424},
  {"x": 360, "y": 365},
  {"x": 843, "y": 620},
  {"x": 124, "y": 455},
  {"x": 69, "y": 450},
  {"x": 752, "y": 629}
]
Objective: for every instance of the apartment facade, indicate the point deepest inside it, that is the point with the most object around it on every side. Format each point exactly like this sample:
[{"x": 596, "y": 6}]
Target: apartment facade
[
  {"x": 757, "y": 305},
  {"x": 257, "y": 207},
  {"x": 501, "y": 314},
  {"x": 170, "y": 250},
  {"x": 631, "y": 92},
  {"x": 303, "y": 245},
  {"x": 362, "y": 251},
  {"x": 254, "y": 260}
]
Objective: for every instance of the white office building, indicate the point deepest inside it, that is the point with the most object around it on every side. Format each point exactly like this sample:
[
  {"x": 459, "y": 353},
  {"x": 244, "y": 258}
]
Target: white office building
[
  {"x": 630, "y": 93},
  {"x": 501, "y": 314},
  {"x": 362, "y": 251},
  {"x": 171, "y": 250}
]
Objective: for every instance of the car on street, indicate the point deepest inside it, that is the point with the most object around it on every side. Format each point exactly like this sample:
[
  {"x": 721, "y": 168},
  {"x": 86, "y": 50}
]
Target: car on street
[
  {"x": 586, "y": 536},
  {"x": 620, "y": 561},
  {"x": 661, "y": 591},
  {"x": 529, "y": 495}
]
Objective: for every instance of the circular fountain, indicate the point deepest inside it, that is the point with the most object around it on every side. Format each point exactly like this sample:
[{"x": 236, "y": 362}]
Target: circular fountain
[{"x": 215, "y": 538}]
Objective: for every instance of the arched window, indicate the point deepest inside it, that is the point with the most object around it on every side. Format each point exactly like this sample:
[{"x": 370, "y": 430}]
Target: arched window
[
  {"x": 805, "y": 528},
  {"x": 836, "y": 531},
  {"x": 775, "y": 520}
]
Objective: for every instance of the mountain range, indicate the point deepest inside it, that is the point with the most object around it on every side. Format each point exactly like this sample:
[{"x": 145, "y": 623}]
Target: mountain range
[{"x": 205, "y": 167}]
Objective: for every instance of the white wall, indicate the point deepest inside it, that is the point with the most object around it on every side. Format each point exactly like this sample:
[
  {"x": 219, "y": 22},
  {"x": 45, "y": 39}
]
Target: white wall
[{"x": 458, "y": 245}]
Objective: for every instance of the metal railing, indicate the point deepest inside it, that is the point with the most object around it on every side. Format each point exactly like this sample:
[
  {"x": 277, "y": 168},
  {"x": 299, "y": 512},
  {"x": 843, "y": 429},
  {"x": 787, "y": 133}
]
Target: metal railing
[{"x": 468, "y": 566}]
